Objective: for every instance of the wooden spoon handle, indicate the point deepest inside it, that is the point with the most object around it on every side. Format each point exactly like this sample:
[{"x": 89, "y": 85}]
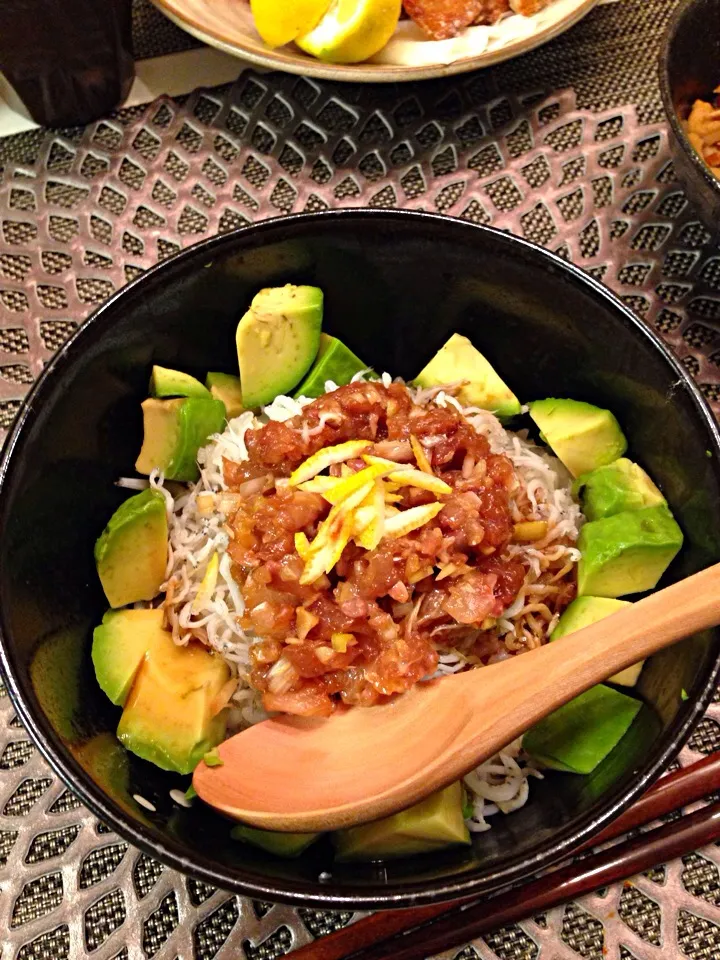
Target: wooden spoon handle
[
  {"x": 633, "y": 633},
  {"x": 517, "y": 693}
]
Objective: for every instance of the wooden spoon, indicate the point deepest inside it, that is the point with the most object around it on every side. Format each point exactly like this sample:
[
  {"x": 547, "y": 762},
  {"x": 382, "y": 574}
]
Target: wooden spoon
[{"x": 304, "y": 774}]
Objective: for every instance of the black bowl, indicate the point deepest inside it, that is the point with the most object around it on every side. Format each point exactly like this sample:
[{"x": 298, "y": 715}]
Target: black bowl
[
  {"x": 689, "y": 69},
  {"x": 396, "y": 284}
]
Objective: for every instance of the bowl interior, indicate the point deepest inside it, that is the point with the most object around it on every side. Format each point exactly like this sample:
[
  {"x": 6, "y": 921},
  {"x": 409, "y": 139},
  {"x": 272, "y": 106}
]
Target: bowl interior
[{"x": 396, "y": 287}]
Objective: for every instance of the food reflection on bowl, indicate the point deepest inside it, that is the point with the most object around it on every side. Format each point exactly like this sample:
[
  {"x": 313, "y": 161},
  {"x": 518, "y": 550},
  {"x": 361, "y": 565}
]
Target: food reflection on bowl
[
  {"x": 689, "y": 73},
  {"x": 397, "y": 287}
]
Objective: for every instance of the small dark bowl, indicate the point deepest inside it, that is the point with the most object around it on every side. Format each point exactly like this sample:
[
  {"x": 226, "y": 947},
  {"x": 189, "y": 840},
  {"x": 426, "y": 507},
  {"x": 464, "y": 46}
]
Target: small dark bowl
[
  {"x": 689, "y": 69},
  {"x": 397, "y": 285}
]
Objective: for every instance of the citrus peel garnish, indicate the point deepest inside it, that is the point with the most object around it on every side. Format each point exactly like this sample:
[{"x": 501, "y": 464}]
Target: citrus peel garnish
[
  {"x": 325, "y": 458},
  {"x": 333, "y": 536},
  {"x": 409, "y": 477},
  {"x": 207, "y": 585},
  {"x": 302, "y": 545},
  {"x": 363, "y": 503},
  {"x": 319, "y": 484},
  {"x": 348, "y": 485},
  {"x": 341, "y": 641},
  {"x": 374, "y": 531},
  {"x": 420, "y": 455},
  {"x": 409, "y": 520}
]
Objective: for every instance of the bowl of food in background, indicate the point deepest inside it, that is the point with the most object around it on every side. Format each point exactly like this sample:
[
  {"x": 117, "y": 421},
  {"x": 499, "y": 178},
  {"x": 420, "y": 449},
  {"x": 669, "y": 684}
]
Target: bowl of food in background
[
  {"x": 690, "y": 87},
  {"x": 308, "y": 464},
  {"x": 375, "y": 40}
]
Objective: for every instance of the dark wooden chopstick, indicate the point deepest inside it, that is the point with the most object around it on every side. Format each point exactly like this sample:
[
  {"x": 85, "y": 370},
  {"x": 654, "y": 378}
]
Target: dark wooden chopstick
[
  {"x": 447, "y": 924},
  {"x": 575, "y": 880}
]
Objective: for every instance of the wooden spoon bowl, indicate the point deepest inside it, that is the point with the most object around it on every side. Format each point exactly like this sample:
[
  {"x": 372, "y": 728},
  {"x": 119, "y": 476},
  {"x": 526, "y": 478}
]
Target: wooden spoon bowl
[{"x": 297, "y": 774}]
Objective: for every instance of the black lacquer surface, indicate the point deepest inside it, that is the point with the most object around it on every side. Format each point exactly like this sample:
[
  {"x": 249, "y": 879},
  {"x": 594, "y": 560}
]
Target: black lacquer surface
[{"x": 397, "y": 285}]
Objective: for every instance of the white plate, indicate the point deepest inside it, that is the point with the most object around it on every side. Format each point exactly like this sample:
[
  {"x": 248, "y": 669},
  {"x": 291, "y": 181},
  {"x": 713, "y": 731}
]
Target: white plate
[{"x": 228, "y": 25}]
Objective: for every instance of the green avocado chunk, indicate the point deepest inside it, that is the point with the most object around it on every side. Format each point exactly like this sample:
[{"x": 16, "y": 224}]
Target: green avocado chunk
[
  {"x": 334, "y": 362},
  {"x": 131, "y": 552},
  {"x": 173, "y": 383},
  {"x": 225, "y": 387},
  {"x": 432, "y": 824},
  {"x": 626, "y": 553},
  {"x": 581, "y": 435},
  {"x": 277, "y": 340},
  {"x": 576, "y": 737},
  {"x": 171, "y": 715},
  {"x": 618, "y": 486},
  {"x": 281, "y": 844},
  {"x": 586, "y": 610},
  {"x": 119, "y": 647},
  {"x": 457, "y": 360},
  {"x": 174, "y": 431}
]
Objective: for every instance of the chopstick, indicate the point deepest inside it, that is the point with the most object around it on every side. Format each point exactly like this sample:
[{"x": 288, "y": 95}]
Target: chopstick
[{"x": 441, "y": 926}]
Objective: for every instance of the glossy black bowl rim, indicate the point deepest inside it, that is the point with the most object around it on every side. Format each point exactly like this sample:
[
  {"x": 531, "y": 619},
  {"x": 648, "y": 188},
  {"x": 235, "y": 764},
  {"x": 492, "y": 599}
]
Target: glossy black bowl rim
[
  {"x": 698, "y": 165},
  {"x": 306, "y": 893}
]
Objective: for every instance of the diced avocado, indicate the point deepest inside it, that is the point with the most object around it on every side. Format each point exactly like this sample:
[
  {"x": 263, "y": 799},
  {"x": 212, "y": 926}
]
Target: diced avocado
[
  {"x": 225, "y": 387},
  {"x": 334, "y": 362},
  {"x": 576, "y": 737},
  {"x": 581, "y": 435},
  {"x": 586, "y": 610},
  {"x": 281, "y": 844},
  {"x": 457, "y": 360},
  {"x": 131, "y": 552},
  {"x": 432, "y": 824},
  {"x": 170, "y": 716},
  {"x": 277, "y": 341},
  {"x": 626, "y": 553},
  {"x": 174, "y": 431},
  {"x": 620, "y": 485},
  {"x": 173, "y": 383},
  {"x": 119, "y": 647}
]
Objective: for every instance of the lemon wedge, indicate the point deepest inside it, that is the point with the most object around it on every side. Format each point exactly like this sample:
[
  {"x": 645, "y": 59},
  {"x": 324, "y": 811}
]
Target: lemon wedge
[
  {"x": 279, "y": 22},
  {"x": 352, "y": 30}
]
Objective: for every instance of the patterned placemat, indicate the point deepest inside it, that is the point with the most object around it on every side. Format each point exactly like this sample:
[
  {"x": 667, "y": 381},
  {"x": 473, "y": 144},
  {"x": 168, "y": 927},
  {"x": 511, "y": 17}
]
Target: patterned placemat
[{"x": 93, "y": 211}]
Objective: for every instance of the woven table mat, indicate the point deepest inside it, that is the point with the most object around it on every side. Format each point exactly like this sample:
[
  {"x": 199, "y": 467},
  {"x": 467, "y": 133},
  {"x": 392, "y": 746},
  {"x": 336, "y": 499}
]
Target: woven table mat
[{"x": 95, "y": 210}]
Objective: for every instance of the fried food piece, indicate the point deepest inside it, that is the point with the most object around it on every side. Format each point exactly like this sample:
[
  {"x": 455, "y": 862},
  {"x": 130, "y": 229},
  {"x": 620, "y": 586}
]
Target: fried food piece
[
  {"x": 703, "y": 132},
  {"x": 442, "y": 19},
  {"x": 527, "y": 8},
  {"x": 492, "y": 11}
]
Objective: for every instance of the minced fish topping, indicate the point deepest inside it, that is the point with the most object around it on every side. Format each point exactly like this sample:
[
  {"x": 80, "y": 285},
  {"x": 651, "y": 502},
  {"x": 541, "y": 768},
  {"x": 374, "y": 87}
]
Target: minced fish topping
[{"x": 338, "y": 551}]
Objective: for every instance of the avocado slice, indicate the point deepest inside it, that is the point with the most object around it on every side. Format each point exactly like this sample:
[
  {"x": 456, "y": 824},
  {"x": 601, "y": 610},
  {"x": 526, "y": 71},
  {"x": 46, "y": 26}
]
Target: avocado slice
[
  {"x": 334, "y": 362},
  {"x": 576, "y": 737},
  {"x": 586, "y": 610},
  {"x": 281, "y": 844},
  {"x": 225, "y": 387},
  {"x": 432, "y": 824},
  {"x": 119, "y": 647},
  {"x": 618, "y": 486},
  {"x": 131, "y": 552},
  {"x": 174, "y": 431},
  {"x": 457, "y": 360},
  {"x": 169, "y": 716},
  {"x": 173, "y": 383},
  {"x": 581, "y": 435},
  {"x": 277, "y": 341},
  {"x": 626, "y": 553}
]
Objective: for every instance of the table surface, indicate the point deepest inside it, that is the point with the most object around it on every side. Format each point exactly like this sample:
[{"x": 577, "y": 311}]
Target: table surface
[{"x": 565, "y": 146}]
